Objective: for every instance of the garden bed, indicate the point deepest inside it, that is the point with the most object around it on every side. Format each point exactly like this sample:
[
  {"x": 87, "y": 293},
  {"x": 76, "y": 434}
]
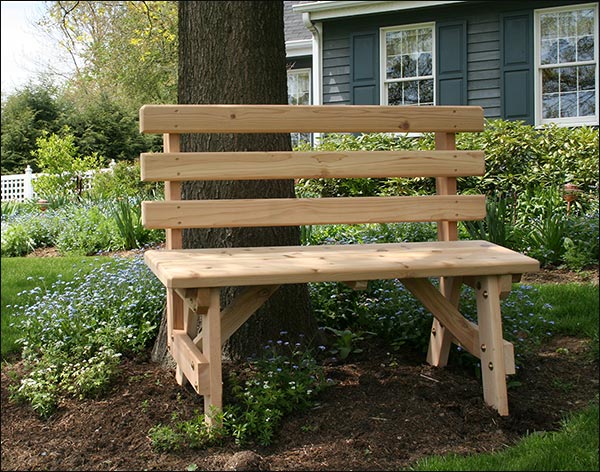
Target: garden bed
[{"x": 384, "y": 412}]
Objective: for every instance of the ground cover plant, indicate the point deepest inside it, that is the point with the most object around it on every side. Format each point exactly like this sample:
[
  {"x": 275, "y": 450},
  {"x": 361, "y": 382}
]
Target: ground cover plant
[{"x": 73, "y": 333}]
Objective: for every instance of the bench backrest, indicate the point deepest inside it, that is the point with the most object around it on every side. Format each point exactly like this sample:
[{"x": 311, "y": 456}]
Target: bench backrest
[{"x": 445, "y": 164}]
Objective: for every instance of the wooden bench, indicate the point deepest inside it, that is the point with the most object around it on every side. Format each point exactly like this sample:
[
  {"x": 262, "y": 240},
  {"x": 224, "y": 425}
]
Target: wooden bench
[{"x": 194, "y": 277}]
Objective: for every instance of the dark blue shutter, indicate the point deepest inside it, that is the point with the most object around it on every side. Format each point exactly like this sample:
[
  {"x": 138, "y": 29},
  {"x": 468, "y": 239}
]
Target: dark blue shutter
[
  {"x": 364, "y": 58},
  {"x": 516, "y": 67},
  {"x": 451, "y": 63}
]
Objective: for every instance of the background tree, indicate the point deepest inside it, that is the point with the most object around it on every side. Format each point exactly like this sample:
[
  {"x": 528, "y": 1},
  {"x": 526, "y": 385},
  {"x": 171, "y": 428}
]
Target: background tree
[
  {"x": 26, "y": 115},
  {"x": 234, "y": 52},
  {"x": 124, "y": 49}
]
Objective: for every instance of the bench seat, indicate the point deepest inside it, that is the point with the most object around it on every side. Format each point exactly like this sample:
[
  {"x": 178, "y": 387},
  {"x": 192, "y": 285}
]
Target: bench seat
[{"x": 197, "y": 268}]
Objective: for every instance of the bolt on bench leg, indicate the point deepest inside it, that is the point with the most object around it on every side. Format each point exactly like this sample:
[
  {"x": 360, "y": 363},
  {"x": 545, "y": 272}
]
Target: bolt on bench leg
[{"x": 493, "y": 372}]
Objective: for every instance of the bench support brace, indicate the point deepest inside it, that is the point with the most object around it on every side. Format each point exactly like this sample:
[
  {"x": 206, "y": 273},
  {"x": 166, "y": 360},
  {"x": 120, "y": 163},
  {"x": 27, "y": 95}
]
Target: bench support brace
[
  {"x": 197, "y": 353},
  {"x": 484, "y": 340}
]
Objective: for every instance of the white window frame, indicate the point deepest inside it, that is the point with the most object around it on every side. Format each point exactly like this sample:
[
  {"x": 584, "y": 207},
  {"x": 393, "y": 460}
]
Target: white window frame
[
  {"x": 308, "y": 71},
  {"x": 569, "y": 121},
  {"x": 383, "y": 91}
]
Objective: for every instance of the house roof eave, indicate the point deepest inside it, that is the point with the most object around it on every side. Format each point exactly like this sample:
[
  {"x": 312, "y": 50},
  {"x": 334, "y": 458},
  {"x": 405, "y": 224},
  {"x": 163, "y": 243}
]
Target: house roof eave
[{"x": 324, "y": 10}]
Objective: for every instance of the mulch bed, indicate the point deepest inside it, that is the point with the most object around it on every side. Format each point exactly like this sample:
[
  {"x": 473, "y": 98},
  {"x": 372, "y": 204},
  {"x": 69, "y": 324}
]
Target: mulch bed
[{"x": 385, "y": 411}]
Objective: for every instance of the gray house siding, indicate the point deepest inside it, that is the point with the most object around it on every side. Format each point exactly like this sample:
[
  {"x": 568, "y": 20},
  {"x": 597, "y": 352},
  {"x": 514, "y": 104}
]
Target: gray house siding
[
  {"x": 336, "y": 68},
  {"x": 486, "y": 66},
  {"x": 483, "y": 63}
]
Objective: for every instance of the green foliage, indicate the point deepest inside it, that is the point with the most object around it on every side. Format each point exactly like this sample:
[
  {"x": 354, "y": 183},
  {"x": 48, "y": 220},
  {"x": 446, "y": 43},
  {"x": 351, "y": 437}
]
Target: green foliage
[
  {"x": 128, "y": 49},
  {"x": 26, "y": 114},
  {"x": 498, "y": 225},
  {"x": 284, "y": 378},
  {"x": 345, "y": 341},
  {"x": 58, "y": 157},
  {"x": 123, "y": 181},
  {"x": 16, "y": 240},
  {"x": 74, "y": 333},
  {"x": 127, "y": 214}
]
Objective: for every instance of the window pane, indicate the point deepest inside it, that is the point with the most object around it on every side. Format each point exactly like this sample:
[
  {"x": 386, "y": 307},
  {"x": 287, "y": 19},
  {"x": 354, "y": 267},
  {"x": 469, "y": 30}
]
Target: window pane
[
  {"x": 586, "y": 78},
  {"x": 567, "y": 23},
  {"x": 568, "y": 104},
  {"x": 409, "y": 65},
  {"x": 587, "y": 103},
  {"x": 411, "y": 93},
  {"x": 424, "y": 40},
  {"x": 425, "y": 65},
  {"x": 393, "y": 43},
  {"x": 550, "y": 51},
  {"x": 585, "y": 22},
  {"x": 395, "y": 94},
  {"x": 585, "y": 48},
  {"x": 426, "y": 92},
  {"x": 568, "y": 79},
  {"x": 409, "y": 41},
  {"x": 566, "y": 48},
  {"x": 394, "y": 67},
  {"x": 549, "y": 25},
  {"x": 550, "y": 106},
  {"x": 549, "y": 81}
]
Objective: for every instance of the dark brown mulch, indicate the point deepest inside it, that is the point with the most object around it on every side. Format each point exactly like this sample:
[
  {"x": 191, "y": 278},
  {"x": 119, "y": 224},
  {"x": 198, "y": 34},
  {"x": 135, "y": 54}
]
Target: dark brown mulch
[{"x": 384, "y": 412}]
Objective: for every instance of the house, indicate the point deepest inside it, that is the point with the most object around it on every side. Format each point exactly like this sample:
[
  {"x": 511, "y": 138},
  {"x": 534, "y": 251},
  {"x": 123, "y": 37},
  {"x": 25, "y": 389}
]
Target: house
[{"x": 535, "y": 61}]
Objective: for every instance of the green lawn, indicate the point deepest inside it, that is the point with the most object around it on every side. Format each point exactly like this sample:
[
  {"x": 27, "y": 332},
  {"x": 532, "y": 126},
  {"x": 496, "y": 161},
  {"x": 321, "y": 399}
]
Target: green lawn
[{"x": 21, "y": 274}]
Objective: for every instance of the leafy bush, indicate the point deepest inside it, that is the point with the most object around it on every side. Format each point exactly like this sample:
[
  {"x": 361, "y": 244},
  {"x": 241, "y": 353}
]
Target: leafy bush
[
  {"x": 58, "y": 157},
  {"x": 284, "y": 378},
  {"x": 123, "y": 181},
  {"x": 74, "y": 333}
]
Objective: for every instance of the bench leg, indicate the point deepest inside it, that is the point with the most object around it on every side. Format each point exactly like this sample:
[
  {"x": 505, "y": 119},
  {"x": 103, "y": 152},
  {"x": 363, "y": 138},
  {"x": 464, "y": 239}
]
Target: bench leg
[
  {"x": 440, "y": 338},
  {"x": 211, "y": 348},
  {"x": 493, "y": 372}
]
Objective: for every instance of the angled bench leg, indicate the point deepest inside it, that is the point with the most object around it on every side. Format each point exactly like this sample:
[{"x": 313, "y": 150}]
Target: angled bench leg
[
  {"x": 440, "y": 338},
  {"x": 211, "y": 348},
  {"x": 488, "y": 291}
]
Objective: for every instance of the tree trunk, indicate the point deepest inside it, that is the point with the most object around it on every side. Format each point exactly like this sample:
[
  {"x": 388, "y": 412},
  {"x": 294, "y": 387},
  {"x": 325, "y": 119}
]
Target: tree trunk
[{"x": 234, "y": 52}]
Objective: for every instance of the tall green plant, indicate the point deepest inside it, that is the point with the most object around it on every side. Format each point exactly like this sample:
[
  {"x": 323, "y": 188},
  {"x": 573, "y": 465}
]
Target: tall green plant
[{"x": 58, "y": 157}]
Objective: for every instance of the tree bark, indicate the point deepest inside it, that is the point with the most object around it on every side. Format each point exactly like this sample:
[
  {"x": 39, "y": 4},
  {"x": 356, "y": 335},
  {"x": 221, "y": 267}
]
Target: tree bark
[{"x": 234, "y": 52}]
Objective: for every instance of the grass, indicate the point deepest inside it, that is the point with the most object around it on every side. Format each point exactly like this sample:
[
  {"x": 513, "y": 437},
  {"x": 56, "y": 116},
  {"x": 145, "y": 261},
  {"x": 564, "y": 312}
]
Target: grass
[
  {"x": 573, "y": 447},
  {"x": 574, "y": 307},
  {"x": 24, "y": 273}
]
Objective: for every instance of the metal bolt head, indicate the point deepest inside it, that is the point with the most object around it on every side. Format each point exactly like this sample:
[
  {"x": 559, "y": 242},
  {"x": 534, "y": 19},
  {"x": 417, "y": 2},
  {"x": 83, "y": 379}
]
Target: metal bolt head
[
  {"x": 491, "y": 366},
  {"x": 483, "y": 347}
]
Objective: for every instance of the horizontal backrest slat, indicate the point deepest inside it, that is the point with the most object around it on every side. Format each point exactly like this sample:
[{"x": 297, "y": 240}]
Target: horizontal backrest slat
[
  {"x": 308, "y": 165},
  {"x": 308, "y": 118},
  {"x": 310, "y": 211}
]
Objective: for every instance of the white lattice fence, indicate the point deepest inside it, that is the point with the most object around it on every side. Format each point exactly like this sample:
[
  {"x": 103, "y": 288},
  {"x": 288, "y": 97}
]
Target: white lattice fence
[{"x": 19, "y": 187}]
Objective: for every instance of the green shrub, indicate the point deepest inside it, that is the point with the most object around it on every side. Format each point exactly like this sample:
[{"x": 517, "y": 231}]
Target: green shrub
[
  {"x": 16, "y": 240},
  {"x": 123, "y": 181},
  {"x": 62, "y": 167}
]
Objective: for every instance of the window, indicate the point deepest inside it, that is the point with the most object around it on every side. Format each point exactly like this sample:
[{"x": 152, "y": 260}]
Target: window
[
  {"x": 298, "y": 82},
  {"x": 567, "y": 65},
  {"x": 408, "y": 65}
]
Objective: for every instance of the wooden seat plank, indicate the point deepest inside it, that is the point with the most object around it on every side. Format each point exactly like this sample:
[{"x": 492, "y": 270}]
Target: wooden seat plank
[{"x": 299, "y": 264}]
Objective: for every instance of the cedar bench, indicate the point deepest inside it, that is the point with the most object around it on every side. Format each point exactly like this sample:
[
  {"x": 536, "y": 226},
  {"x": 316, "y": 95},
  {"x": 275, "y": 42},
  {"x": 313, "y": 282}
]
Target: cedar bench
[{"x": 194, "y": 277}]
